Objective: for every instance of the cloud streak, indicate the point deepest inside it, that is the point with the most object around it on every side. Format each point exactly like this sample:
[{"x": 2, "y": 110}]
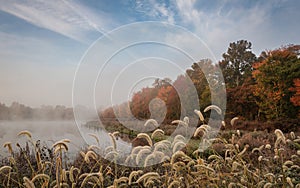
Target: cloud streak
[{"x": 56, "y": 16}]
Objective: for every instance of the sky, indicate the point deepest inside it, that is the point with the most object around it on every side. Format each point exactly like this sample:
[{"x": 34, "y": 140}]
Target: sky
[{"x": 53, "y": 50}]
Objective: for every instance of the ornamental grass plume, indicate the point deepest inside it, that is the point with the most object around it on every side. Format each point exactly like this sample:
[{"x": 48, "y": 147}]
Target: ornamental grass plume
[
  {"x": 111, "y": 155},
  {"x": 268, "y": 146},
  {"x": 200, "y": 115},
  {"x": 142, "y": 154},
  {"x": 28, "y": 183},
  {"x": 151, "y": 122},
  {"x": 157, "y": 132},
  {"x": 95, "y": 137},
  {"x": 136, "y": 150},
  {"x": 203, "y": 128},
  {"x": 147, "y": 176},
  {"x": 25, "y": 132},
  {"x": 243, "y": 151},
  {"x": 88, "y": 155},
  {"x": 180, "y": 122},
  {"x": 59, "y": 146},
  {"x": 160, "y": 146},
  {"x": 186, "y": 120},
  {"x": 154, "y": 158},
  {"x": 133, "y": 175},
  {"x": 39, "y": 177},
  {"x": 120, "y": 180},
  {"x": 113, "y": 140},
  {"x": 179, "y": 137},
  {"x": 233, "y": 120},
  {"x": 280, "y": 136},
  {"x": 178, "y": 146},
  {"x": 9, "y": 147},
  {"x": 146, "y": 136},
  {"x": 213, "y": 107}
]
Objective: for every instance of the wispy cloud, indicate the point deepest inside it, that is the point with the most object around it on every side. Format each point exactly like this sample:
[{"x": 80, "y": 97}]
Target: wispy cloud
[
  {"x": 229, "y": 21},
  {"x": 156, "y": 10},
  {"x": 187, "y": 12},
  {"x": 57, "y": 16}
]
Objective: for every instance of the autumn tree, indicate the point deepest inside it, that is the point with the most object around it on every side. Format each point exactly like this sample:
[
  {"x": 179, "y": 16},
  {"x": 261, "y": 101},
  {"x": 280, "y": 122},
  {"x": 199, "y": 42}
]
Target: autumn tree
[
  {"x": 237, "y": 63},
  {"x": 241, "y": 101},
  {"x": 200, "y": 81},
  {"x": 275, "y": 74},
  {"x": 107, "y": 113},
  {"x": 158, "y": 83},
  {"x": 163, "y": 90},
  {"x": 295, "y": 99},
  {"x": 169, "y": 95},
  {"x": 140, "y": 101}
]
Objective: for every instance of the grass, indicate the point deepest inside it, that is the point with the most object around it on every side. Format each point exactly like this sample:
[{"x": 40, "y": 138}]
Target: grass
[{"x": 234, "y": 159}]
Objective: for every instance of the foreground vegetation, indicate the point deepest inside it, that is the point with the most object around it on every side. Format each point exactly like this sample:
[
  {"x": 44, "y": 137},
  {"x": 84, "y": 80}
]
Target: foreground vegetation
[{"x": 234, "y": 159}]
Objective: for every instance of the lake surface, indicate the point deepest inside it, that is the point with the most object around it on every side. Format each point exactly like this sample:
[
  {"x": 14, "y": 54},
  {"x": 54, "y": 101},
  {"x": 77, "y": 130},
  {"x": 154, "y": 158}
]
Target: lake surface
[{"x": 51, "y": 131}]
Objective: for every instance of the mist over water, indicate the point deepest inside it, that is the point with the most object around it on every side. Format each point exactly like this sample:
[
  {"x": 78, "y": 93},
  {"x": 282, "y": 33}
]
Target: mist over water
[{"x": 48, "y": 132}]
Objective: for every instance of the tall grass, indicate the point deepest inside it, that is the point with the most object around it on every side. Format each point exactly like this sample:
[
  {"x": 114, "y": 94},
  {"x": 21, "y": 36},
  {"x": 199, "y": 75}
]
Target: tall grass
[{"x": 234, "y": 159}]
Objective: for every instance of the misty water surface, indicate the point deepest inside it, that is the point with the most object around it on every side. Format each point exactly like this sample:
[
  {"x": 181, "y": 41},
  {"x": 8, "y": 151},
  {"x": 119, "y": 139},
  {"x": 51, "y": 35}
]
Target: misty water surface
[{"x": 48, "y": 132}]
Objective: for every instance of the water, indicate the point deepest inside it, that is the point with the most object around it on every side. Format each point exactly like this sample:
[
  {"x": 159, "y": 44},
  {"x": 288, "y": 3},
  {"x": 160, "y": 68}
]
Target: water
[{"x": 48, "y": 132}]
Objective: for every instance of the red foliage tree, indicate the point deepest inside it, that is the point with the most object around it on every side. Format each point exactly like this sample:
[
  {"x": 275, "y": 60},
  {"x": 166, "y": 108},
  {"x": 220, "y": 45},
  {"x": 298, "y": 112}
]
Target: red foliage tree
[
  {"x": 241, "y": 101},
  {"x": 295, "y": 99},
  {"x": 274, "y": 75}
]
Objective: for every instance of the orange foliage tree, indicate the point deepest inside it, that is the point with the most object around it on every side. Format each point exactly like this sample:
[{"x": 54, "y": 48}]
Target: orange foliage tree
[
  {"x": 274, "y": 75},
  {"x": 140, "y": 101},
  {"x": 295, "y": 99}
]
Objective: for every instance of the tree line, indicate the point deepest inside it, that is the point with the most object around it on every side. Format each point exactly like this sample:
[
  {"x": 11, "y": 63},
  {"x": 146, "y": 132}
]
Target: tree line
[
  {"x": 17, "y": 111},
  {"x": 263, "y": 88}
]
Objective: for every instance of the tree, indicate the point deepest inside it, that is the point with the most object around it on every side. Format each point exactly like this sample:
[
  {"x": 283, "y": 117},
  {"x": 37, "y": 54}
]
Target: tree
[
  {"x": 241, "y": 101},
  {"x": 200, "y": 80},
  {"x": 4, "y": 112},
  {"x": 169, "y": 95},
  {"x": 295, "y": 99},
  {"x": 237, "y": 63},
  {"x": 158, "y": 83},
  {"x": 275, "y": 74},
  {"x": 140, "y": 101}
]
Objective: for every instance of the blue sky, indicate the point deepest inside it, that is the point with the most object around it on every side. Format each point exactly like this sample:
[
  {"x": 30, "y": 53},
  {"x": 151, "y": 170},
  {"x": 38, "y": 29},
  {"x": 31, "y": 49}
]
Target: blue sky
[{"x": 42, "y": 42}]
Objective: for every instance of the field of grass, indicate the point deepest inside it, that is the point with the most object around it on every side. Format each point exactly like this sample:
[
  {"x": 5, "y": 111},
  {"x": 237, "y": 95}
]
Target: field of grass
[{"x": 235, "y": 158}]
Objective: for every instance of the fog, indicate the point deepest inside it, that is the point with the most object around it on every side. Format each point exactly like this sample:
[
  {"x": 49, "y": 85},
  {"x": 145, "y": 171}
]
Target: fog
[{"x": 48, "y": 132}]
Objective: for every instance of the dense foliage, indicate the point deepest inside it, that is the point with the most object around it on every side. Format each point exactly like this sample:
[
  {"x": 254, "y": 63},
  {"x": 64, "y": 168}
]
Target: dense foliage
[
  {"x": 257, "y": 88},
  {"x": 275, "y": 74}
]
